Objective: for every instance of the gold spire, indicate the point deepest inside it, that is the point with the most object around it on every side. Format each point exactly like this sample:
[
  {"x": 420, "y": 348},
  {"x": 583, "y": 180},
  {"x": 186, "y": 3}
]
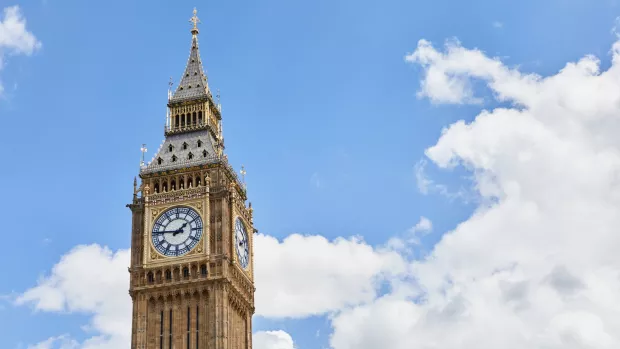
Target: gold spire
[{"x": 194, "y": 20}]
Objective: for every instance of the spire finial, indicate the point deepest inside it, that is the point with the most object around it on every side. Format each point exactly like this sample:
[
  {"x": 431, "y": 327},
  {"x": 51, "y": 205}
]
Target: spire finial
[
  {"x": 194, "y": 20},
  {"x": 143, "y": 150},
  {"x": 243, "y": 173}
]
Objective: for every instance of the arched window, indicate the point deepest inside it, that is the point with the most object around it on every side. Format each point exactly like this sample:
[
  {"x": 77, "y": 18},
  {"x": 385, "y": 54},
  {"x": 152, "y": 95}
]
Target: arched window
[
  {"x": 156, "y": 187},
  {"x": 174, "y": 158},
  {"x": 159, "y": 161},
  {"x": 184, "y": 145},
  {"x": 194, "y": 118},
  {"x": 203, "y": 270},
  {"x": 204, "y": 153},
  {"x": 199, "y": 143},
  {"x": 182, "y": 120},
  {"x": 150, "y": 278},
  {"x": 173, "y": 185},
  {"x": 190, "y": 182},
  {"x": 170, "y": 148},
  {"x": 190, "y": 156},
  {"x": 199, "y": 118},
  {"x": 176, "y": 121},
  {"x": 186, "y": 272},
  {"x": 168, "y": 275},
  {"x": 164, "y": 187},
  {"x": 197, "y": 181}
]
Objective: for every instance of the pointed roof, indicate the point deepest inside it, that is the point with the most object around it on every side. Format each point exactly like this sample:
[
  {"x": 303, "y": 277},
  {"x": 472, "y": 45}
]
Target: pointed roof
[{"x": 193, "y": 83}]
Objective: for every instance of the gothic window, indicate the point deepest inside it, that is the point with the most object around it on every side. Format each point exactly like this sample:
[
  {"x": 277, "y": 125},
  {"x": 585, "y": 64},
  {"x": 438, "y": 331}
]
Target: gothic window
[
  {"x": 203, "y": 270},
  {"x": 182, "y": 120},
  {"x": 168, "y": 275},
  {"x": 200, "y": 117},
  {"x": 176, "y": 121},
  {"x": 174, "y": 158},
  {"x": 170, "y": 333},
  {"x": 150, "y": 278},
  {"x": 204, "y": 153},
  {"x": 161, "y": 330},
  {"x": 194, "y": 118},
  {"x": 156, "y": 187},
  {"x": 184, "y": 145},
  {"x": 173, "y": 185},
  {"x": 190, "y": 156},
  {"x": 188, "y": 332},
  {"x": 170, "y": 148},
  {"x": 198, "y": 181},
  {"x": 164, "y": 187},
  {"x": 199, "y": 143},
  {"x": 186, "y": 272},
  {"x": 159, "y": 161},
  {"x": 190, "y": 183},
  {"x": 197, "y": 327}
]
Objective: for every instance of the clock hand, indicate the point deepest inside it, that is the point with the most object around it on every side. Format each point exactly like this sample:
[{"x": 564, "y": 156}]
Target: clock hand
[
  {"x": 165, "y": 232},
  {"x": 180, "y": 230}
]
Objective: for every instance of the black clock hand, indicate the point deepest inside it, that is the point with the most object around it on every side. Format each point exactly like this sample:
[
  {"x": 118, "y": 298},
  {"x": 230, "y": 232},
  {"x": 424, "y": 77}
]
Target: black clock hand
[
  {"x": 165, "y": 232},
  {"x": 180, "y": 230}
]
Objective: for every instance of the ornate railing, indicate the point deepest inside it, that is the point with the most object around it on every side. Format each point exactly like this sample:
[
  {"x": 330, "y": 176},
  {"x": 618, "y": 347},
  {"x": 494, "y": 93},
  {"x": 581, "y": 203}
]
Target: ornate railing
[
  {"x": 168, "y": 130},
  {"x": 187, "y": 163}
]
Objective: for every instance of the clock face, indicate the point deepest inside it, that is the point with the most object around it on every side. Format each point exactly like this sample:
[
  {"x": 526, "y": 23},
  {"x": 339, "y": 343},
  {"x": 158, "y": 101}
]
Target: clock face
[
  {"x": 177, "y": 231},
  {"x": 241, "y": 243}
]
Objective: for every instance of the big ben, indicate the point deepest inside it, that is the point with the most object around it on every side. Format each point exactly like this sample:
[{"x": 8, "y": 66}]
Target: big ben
[{"x": 191, "y": 269}]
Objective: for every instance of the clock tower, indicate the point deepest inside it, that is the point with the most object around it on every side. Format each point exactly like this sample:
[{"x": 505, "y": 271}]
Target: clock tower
[{"x": 191, "y": 271}]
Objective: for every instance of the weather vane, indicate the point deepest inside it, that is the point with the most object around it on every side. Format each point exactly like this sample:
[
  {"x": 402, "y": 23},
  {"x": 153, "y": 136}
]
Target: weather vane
[
  {"x": 194, "y": 20},
  {"x": 143, "y": 150}
]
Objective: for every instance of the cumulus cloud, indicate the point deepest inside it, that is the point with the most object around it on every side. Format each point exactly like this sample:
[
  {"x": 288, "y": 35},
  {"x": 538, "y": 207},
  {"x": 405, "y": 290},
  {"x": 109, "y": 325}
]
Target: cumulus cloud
[
  {"x": 297, "y": 277},
  {"x": 93, "y": 280},
  {"x": 310, "y": 275},
  {"x": 14, "y": 38},
  {"x": 272, "y": 340},
  {"x": 536, "y": 265}
]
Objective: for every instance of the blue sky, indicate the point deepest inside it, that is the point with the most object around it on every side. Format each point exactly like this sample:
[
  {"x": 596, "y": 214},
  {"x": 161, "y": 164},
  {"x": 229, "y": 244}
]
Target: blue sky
[{"x": 319, "y": 105}]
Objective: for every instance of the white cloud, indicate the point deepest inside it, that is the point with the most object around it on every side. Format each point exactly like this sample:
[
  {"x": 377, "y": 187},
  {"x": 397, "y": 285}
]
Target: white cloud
[
  {"x": 310, "y": 275},
  {"x": 423, "y": 226},
  {"x": 427, "y": 186},
  {"x": 298, "y": 277},
  {"x": 60, "y": 342},
  {"x": 14, "y": 38},
  {"x": 536, "y": 266},
  {"x": 92, "y": 280},
  {"x": 272, "y": 340}
]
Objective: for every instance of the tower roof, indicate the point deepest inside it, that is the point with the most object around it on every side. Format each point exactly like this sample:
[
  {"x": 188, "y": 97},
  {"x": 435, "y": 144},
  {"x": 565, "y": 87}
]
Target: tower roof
[{"x": 193, "y": 83}]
